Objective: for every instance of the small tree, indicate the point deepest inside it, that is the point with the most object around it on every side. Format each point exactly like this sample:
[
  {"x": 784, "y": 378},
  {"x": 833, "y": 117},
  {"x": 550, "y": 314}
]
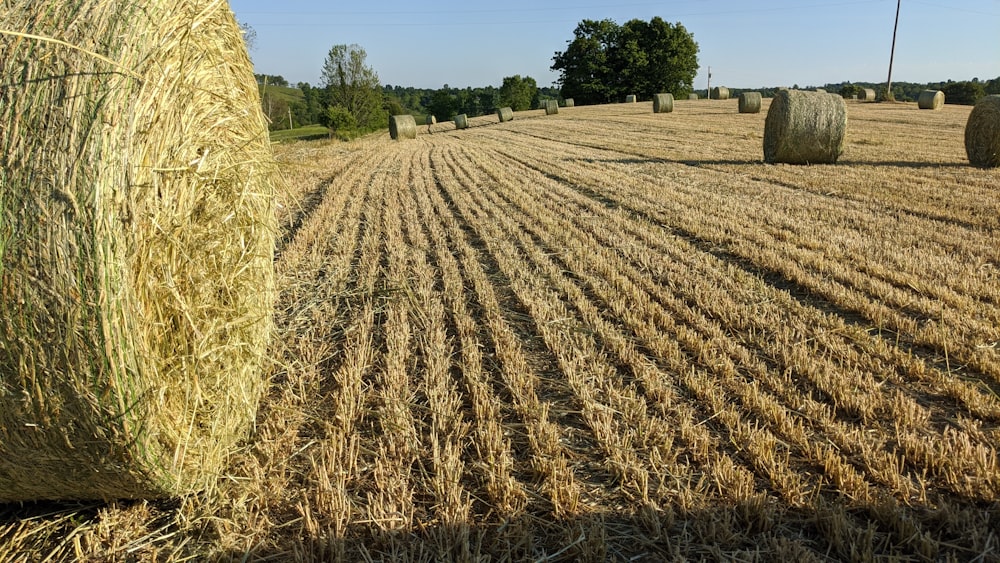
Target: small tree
[
  {"x": 518, "y": 92},
  {"x": 338, "y": 119},
  {"x": 353, "y": 85}
]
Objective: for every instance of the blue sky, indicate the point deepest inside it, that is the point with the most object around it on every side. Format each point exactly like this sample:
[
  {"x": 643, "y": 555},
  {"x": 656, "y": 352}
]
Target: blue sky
[{"x": 746, "y": 44}]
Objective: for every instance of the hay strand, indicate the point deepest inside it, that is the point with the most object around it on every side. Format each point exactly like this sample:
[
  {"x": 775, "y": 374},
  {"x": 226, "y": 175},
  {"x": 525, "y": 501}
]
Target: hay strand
[
  {"x": 749, "y": 102},
  {"x": 663, "y": 103},
  {"x": 138, "y": 244},
  {"x": 720, "y": 93},
  {"x": 461, "y": 121},
  {"x": 930, "y": 99},
  {"x": 403, "y": 127},
  {"x": 982, "y": 133},
  {"x": 551, "y": 107},
  {"x": 505, "y": 114},
  {"x": 804, "y": 128}
]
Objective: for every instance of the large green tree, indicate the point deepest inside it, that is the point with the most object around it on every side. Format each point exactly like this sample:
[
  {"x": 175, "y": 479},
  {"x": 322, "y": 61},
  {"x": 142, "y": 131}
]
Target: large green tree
[
  {"x": 604, "y": 62},
  {"x": 518, "y": 93},
  {"x": 354, "y": 86}
]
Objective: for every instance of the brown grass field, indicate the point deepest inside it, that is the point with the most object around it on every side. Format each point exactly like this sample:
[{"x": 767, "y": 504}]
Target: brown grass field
[{"x": 610, "y": 335}]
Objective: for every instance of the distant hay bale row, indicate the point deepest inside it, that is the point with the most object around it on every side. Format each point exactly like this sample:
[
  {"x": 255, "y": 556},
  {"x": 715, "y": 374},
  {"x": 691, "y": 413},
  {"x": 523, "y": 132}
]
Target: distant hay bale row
[
  {"x": 404, "y": 127},
  {"x": 461, "y": 121},
  {"x": 663, "y": 103},
  {"x": 505, "y": 114},
  {"x": 138, "y": 231},
  {"x": 551, "y": 107},
  {"x": 804, "y": 128},
  {"x": 569, "y": 102},
  {"x": 720, "y": 93},
  {"x": 982, "y": 133},
  {"x": 866, "y": 95},
  {"x": 930, "y": 99},
  {"x": 749, "y": 102}
]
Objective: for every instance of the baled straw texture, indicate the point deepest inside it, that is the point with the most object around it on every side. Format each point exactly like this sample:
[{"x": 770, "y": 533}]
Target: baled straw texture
[
  {"x": 663, "y": 103},
  {"x": 866, "y": 95},
  {"x": 461, "y": 121},
  {"x": 138, "y": 234},
  {"x": 749, "y": 102},
  {"x": 551, "y": 107},
  {"x": 804, "y": 128},
  {"x": 505, "y": 114},
  {"x": 720, "y": 93},
  {"x": 930, "y": 99},
  {"x": 403, "y": 127},
  {"x": 630, "y": 99},
  {"x": 982, "y": 133},
  {"x": 569, "y": 102}
]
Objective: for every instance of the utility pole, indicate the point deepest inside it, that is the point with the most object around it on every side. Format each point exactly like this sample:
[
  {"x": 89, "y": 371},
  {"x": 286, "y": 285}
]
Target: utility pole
[
  {"x": 708, "y": 93},
  {"x": 888, "y": 83}
]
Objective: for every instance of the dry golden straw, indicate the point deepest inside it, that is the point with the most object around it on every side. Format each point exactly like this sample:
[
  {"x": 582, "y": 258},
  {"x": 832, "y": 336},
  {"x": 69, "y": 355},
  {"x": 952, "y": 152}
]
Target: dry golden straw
[
  {"x": 136, "y": 247},
  {"x": 551, "y": 107},
  {"x": 930, "y": 99},
  {"x": 982, "y": 133},
  {"x": 804, "y": 128},
  {"x": 663, "y": 103},
  {"x": 866, "y": 95},
  {"x": 505, "y": 114},
  {"x": 720, "y": 93},
  {"x": 404, "y": 127},
  {"x": 461, "y": 121},
  {"x": 749, "y": 102}
]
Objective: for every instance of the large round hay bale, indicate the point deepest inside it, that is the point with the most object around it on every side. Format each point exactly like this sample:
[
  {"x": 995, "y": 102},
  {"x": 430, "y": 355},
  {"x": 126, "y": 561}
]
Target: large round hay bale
[
  {"x": 804, "y": 128},
  {"x": 461, "y": 121},
  {"x": 692, "y": 96},
  {"x": 569, "y": 102},
  {"x": 138, "y": 229},
  {"x": 720, "y": 93},
  {"x": 866, "y": 95},
  {"x": 630, "y": 99},
  {"x": 750, "y": 102},
  {"x": 982, "y": 133},
  {"x": 505, "y": 114},
  {"x": 402, "y": 127},
  {"x": 663, "y": 103},
  {"x": 551, "y": 107},
  {"x": 930, "y": 99}
]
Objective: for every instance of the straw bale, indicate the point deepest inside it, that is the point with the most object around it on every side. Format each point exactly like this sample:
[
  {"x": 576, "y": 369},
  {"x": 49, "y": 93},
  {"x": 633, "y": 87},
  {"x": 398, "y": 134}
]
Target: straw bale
[
  {"x": 804, "y": 127},
  {"x": 663, "y": 103},
  {"x": 431, "y": 120},
  {"x": 930, "y": 99},
  {"x": 692, "y": 96},
  {"x": 569, "y": 102},
  {"x": 404, "y": 127},
  {"x": 551, "y": 107},
  {"x": 505, "y": 114},
  {"x": 982, "y": 133},
  {"x": 138, "y": 238},
  {"x": 866, "y": 94},
  {"x": 750, "y": 102},
  {"x": 461, "y": 121},
  {"x": 630, "y": 99},
  {"x": 720, "y": 93}
]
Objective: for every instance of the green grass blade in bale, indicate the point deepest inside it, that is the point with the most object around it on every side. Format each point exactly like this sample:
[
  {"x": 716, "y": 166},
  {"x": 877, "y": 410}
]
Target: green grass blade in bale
[
  {"x": 804, "y": 128},
  {"x": 136, "y": 247},
  {"x": 982, "y": 133}
]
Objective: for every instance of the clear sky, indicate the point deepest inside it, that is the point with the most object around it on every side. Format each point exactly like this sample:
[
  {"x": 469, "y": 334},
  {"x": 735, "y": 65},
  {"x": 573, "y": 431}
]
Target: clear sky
[{"x": 746, "y": 44}]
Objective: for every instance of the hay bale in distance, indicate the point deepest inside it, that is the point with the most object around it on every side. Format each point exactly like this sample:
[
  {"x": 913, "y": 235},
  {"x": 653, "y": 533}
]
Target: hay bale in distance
[
  {"x": 749, "y": 102},
  {"x": 461, "y": 121},
  {"x": 505, "y": 114},
  {"x": 630, "y": 99},
  {"x": 137, "y": 264},
  {"x": 663, "y": 103},
  {"x": 692, "y": 96},
  {"x": 569, "y": 102},
  {"x": 404, "y": 127},
  {"x": 432, "y": 120},
  {"x": 866, "y": 95},
  {"x": 551, "y": 107},
  {"x": 982, "y": 133},
  {"x": 804, "y": 128},
  {"x": 719, "y": 93},
  {"x": 930, "y": 99}
]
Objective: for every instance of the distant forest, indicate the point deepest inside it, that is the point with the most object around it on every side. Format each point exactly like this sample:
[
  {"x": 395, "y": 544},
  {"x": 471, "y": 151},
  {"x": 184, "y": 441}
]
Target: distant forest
[{"x": 966, "y": 92}]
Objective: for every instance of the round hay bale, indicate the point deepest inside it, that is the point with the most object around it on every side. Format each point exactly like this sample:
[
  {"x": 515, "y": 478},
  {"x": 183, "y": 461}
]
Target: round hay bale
[
  {"x": 402, "y": 127},
  {"x": 982, "y": 133},
  {"x": 551, "y": 107},
  {"x": 569, "y": 102},
  {"x": 692, "y": 96},
  {"x": 432, "y": 120},
  {"x": 720, "y": 93},
  {"x": 930, "y": 99},
  {"x": 804, "y": 128},
  {"x": 630, "y": 99},
  {"x": 138, "y": 228},
  {"x": 505, "y": 114},
  {"x": 461, "y": 121},
  {"x": 749, "y": 102},
  {"x": 866, "y": 95},
  {"x": 663, "y": 103}
]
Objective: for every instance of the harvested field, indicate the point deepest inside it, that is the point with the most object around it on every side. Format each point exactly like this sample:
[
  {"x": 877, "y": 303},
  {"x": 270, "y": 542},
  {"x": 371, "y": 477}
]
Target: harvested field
[{"x": 531, "y": 341}]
